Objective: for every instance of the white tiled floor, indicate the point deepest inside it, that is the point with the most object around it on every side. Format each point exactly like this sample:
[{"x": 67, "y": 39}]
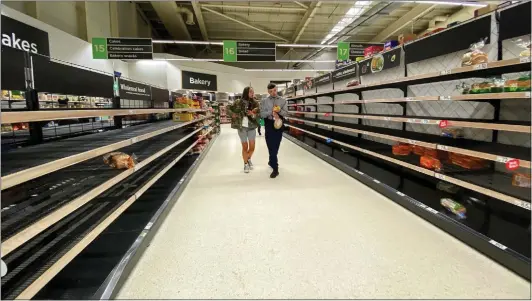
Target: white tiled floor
[{"x": 314, "y": 232}]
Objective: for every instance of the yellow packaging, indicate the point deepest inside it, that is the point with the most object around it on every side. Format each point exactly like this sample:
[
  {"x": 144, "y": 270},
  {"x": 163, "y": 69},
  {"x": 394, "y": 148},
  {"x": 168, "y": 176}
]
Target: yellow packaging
[{"x": 182, "y": 117}]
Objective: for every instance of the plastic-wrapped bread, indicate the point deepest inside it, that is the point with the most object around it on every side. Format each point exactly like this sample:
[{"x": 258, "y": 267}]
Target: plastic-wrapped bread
[{"x": 119, "y": 160}]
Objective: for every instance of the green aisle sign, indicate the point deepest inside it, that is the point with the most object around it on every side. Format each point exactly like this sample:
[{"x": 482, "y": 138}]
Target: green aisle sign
[
  {"x": 342, "y": 51},
  {"x": 99, "y": 48},
  {"x": 229, "y": 51}
]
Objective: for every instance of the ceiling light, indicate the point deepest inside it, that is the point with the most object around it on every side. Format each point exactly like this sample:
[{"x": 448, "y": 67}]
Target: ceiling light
[
  {"x": 306, "y": 45},
  {"x": 350, "y": 16},
  {"x": 185, "y": 42},
  {"x": 188, "y": 60},
  {"x": 462, "y": 3},
  {"x": 304, "y": 61}
]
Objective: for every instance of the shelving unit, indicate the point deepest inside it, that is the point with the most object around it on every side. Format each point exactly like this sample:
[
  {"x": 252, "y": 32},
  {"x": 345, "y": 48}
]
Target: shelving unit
[
  {"x": 407, "y": 105},
  {"x": 58, "y": 195}
]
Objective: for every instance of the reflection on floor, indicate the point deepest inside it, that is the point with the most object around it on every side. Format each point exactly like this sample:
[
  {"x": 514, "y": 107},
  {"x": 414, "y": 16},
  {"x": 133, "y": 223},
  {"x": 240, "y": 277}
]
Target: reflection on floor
[{"x": 314, "y": 232}]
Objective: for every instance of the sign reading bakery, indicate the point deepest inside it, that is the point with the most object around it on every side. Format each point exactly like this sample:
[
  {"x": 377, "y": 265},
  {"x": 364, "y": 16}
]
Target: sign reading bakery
[
  {"x": 134, "y": 91},
  {"x": 23, "y": 37},
  {"x": 198, "y": 81}
]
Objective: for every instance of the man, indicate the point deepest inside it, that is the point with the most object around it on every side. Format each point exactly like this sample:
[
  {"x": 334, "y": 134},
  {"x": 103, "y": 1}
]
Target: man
[{"x": 272, "y": 108}]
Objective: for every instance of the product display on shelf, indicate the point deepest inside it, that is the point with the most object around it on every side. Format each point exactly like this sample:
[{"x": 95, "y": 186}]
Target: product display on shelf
[{"x": 434, "y": 137}]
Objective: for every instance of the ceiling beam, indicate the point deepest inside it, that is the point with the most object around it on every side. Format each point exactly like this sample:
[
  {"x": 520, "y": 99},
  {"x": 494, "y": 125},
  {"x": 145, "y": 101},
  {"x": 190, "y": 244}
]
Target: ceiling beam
[
  {"x": 415, "y": 13},
  {"x": 199, "y": 17},
  {"x": 243, "y": 7},
  {"x": 301, "y": 4},
  {"x": 244, "y": 23},
  {"x": 311, "y": 11}
]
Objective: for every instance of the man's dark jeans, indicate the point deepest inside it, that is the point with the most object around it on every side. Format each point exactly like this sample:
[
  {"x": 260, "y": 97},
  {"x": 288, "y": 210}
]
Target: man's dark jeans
[{"x": 273, "y": 141}]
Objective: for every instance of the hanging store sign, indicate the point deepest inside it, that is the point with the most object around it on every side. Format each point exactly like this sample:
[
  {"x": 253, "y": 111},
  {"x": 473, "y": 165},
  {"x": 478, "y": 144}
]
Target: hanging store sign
[
  {"x": 322, "y": 80},
  {"x": 241, "y": 51},
  {"x": 134, "y": 91},
  {"x": 344, "y": 73},
  {"x": 23, "y": 37},
  {"x": 198, "y": 81},
  {"x": 352, "y": 51},
  {"x": 381, "y": 61},
  {"x": 122, "y": 49}
]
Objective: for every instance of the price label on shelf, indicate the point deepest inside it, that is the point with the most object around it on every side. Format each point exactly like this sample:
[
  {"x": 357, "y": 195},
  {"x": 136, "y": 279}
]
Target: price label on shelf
[
  {"x": 501, "y": 159},
  {"x": 480, "y": 66},
  {"x": 431, "y": 210},
  {"x": 425, "y": 121},
  {"x": 387, "y": 118},
  {"x": 409, "y": 120},
  {"x": 409, "y": 99},
  {"x": 442, "y": 147},
  {"x": 445, "y": 72},
  {"x": 445, "y": 97},
  {"x": 524, "y": 204},
  {"x": 443, "y": 124},
  {"x": 410, "y": 141},
  {"x": 524, "y": 59},
  {"x": 329, "y": 140},
  {"x": 512, "y": 164},
  {"x": 498, "y": 245},
  {"x": 419, "y": 204},
  {"x": 439, "y": 176},
  {"x": 376, "y": 181}
]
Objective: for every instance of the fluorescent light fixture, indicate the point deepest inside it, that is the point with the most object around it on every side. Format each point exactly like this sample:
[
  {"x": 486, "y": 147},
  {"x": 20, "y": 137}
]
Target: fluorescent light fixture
[
  {"x": 290, "y": 70},
  {"x": 350, "y": 16},
  {"x": 462, "y": 3},
  {"x": 189, "y": 60}
]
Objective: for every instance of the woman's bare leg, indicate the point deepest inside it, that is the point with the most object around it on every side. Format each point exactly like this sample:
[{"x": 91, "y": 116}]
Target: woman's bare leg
[
  {"x": 251, "y": 148},
  {"x": 245, "y": 151}
]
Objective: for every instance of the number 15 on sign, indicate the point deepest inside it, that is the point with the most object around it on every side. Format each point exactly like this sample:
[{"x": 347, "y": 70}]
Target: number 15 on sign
[
  {"x": 230, "y": 51},
  {"x": 99, "y": 48}
]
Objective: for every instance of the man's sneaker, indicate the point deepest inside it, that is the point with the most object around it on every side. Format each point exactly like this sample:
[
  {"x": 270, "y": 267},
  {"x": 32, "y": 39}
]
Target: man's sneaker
[
  {"x": 246, "y": 168},
  {"x": 250, "y": 165},
  {"x": 274, "y": 174}
]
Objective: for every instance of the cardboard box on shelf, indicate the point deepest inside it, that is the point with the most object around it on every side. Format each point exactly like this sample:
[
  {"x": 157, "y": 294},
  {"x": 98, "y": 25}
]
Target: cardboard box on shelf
[{"x": 485, "y": 10}]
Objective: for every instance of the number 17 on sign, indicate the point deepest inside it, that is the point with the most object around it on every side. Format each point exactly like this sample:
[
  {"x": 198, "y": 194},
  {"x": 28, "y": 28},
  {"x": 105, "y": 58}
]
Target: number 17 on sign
[{"x": 342, "y": 51}]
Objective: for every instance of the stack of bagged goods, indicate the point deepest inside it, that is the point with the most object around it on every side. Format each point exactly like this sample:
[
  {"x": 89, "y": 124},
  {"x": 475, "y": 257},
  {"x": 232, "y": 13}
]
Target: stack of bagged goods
[
  {"x": 120, "y": 160},
  {"x": 524, "y": 45},
  {"x": 475, "y": 55},
  {"x": 454, "y": 207},
  {"x": 182, "y": 103}
]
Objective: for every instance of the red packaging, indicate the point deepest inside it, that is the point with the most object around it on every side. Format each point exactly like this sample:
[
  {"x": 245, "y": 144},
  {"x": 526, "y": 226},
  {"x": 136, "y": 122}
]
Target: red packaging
[
  {"x": 418, "y": 150},
  {"x": 401, "y": 149},
  {"x": 430, "y": 163},
  {"x": 371, "y": 50}
]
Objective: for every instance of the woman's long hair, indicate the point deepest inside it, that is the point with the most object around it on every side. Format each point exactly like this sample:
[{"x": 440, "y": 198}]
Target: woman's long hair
[{"x": 245, "y": 93}]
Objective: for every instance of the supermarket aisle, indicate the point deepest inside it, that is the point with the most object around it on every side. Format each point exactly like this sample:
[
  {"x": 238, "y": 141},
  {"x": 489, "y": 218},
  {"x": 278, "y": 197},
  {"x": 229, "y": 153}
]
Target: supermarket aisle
[{"x": 314, "y": 232}]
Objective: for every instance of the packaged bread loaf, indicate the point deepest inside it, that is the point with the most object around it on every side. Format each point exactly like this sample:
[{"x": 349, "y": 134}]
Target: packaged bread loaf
[
  {"x": 475, "y": 55},
  {"x": 119, "y": 160}
]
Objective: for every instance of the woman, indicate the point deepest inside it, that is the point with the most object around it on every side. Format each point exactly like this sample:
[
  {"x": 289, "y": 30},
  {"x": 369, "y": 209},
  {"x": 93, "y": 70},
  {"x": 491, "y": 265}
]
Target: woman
[{"x": 244, "y": 118}]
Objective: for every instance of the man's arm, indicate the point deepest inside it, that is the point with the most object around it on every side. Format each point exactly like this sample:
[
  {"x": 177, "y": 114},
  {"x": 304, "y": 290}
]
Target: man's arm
[{"x": 265, "y": 112}]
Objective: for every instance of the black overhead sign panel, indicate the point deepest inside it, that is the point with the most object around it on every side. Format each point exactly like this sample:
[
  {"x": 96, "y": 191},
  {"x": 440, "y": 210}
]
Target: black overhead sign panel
[
  {"x": 381, "y": 61},
  {"x": 134, "y": 91},
  {"x": 198, "y": 81},
  {"x": 346, "y": 72},
  {"x": 255, "y": 51},
  {"x": 23, "y": 37},
  {"x": 322, "y": 80}
]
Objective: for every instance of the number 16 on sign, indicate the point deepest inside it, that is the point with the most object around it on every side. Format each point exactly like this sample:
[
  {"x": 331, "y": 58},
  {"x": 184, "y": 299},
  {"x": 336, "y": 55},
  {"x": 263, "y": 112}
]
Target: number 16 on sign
[{"x": 230, "y": 51}]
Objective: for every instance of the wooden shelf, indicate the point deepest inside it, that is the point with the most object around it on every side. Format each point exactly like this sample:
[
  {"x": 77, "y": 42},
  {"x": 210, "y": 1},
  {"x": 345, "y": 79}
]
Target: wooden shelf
[
  {"x": 29, "y": 232},
  {"x": 463, "y": 151},
  {"x": 464, "y": 97},
  {"x": 44, "y": 115},
  {"x": 22, "y": 176},
  {"x": 481, "y": 70},
  {"x": 457, "y": 123},
  {"x": 489, "y": 192},
  {"x": 31, "y": 290}
]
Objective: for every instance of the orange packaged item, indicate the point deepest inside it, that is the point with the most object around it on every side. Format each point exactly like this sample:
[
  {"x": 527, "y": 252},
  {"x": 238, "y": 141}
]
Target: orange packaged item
[
  {"x": 401, "y": 149},
  {"x": 418, "y": 150},
  {"x": 431, "y": 152},
  {"x": 430, "y": 163},
  {"x": 119, "y": 160},
  {"x": 521, "y": 180}
]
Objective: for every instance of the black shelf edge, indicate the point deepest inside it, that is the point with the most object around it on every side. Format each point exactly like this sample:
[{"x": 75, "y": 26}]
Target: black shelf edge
[
  {"x": 116, "y": 279},
  {"x": 507, "y": 257}
]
